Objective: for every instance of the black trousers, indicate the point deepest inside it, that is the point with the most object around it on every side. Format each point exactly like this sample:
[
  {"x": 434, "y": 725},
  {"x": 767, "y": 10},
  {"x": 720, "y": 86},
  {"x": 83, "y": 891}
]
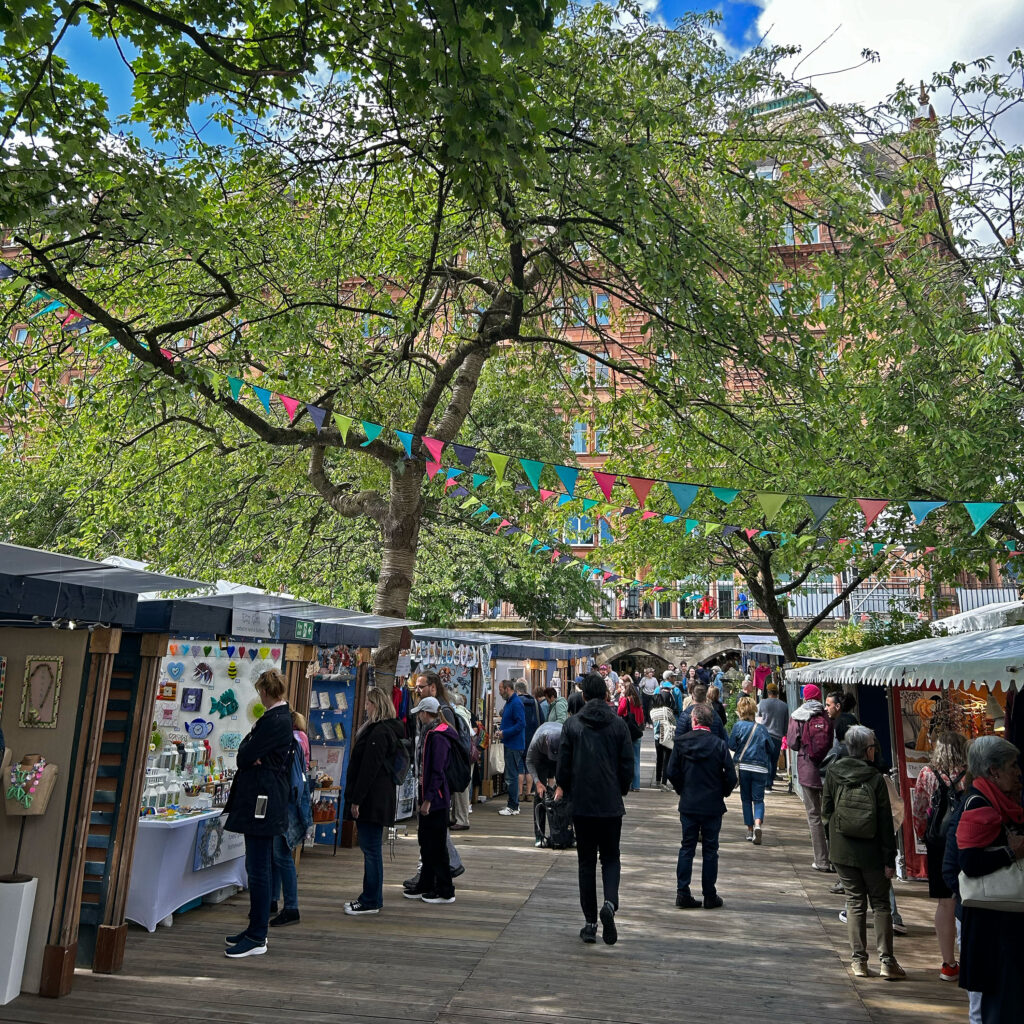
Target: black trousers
[
  {"x": 435, "y": 873},
  {"x": 661, "y": 766},
  {"x": 647, "y": 700},
  {"x": 596, "y": 836}
]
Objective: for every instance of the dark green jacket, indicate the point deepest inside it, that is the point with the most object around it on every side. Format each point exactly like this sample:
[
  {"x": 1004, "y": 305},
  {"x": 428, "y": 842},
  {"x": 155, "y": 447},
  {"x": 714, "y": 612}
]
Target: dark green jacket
[{"x": 879, "y": 852}]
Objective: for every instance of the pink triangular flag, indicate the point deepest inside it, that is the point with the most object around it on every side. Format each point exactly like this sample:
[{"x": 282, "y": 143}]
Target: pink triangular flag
[
  {"x": 928, "y": 551},
  {"x": 608, "y": 575},
  {"x": 433, "y": 446},
  {"x": 554, "y": 555},
  {"x": 291, "y": 405},
  {"x": 641, "y": 488},
  {"x": 751, "y": 533},
  {"x": 502, "y": 525},
  {"x": 432, "y": 469},
  {"x": 166, "y": 353},
  {"x": 871, "y": 507},
  {"x": 546, "y": 495},
  {"x": 606, "y": 481},
  {"x": 649, "y": 515}
]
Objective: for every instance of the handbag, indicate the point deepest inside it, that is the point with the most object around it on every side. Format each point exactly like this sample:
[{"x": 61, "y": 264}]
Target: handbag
[
  {"x": 739, "y": 757},
  {"x": 1001, "y": 890},
  {"x": 636, "y": 730}
]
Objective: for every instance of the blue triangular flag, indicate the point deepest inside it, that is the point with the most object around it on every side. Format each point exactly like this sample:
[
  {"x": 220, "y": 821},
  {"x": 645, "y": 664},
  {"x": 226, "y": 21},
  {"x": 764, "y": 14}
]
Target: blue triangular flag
[
  {"x": 922, "y": 508},
  {"x": 465, "y": 454},
  {"x": 820, "y": 505},
  {"x": 564, "y": 499},
  {"x": 628, "y": 510},
  {"x": 669, "y": 519},
  {"x": 317, "y": 415},
  {"x": 236, "y": 387},
  {"x": 568, "y": 478},
  {"x": 451, "y": 474},
  {"x": 459, "y": 492},
  {"x": 532, "y": 468},
  {"x": 493, "y": 515},
  {"x": 372, "y": 432},
  {"x": 684, "y": 494},
  {"x": 263, "y": 395},
  {"x": 406, "y": 438}
]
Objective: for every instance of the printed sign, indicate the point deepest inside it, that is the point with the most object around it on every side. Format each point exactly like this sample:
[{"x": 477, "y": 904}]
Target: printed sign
[{"x": 247, "y": 622}]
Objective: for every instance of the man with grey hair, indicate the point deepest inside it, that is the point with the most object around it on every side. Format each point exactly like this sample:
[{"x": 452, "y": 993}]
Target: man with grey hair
[
  {"x": 862, "y": 847},
  {"x": 531, "y": 711}
]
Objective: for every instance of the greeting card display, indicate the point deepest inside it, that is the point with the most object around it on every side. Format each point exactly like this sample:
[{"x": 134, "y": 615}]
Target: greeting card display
[{"x": 41, "y": 694}]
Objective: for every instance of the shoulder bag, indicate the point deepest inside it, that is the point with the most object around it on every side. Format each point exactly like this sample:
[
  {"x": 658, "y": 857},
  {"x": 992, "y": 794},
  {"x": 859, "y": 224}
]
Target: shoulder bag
[{"x": 1002, "y": 889}]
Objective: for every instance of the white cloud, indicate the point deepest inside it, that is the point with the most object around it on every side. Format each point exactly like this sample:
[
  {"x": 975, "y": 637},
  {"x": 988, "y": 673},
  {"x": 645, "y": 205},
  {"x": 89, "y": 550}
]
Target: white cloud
[{"x": 913, "y": 39}]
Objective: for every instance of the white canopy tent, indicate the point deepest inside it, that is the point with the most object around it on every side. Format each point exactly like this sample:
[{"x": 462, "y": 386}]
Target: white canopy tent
[
  {"x": 989, "y": 616},
  {"x": 992, "y": 658}
]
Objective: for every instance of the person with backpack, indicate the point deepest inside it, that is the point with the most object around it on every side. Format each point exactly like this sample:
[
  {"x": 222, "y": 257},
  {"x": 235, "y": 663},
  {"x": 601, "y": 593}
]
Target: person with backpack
[
  {"x": 541, "y": 762},
  {"x": 284, "y": 877},
  {"x": 810, "y": 735},
  {"x": 459, "y": 821},
  {"x": 532, "y": 714},
  {"x": 377, "y": 765},
  {"x": 856, "y": 810},
  {"x": 439, "y": 740},
  {"x": 936, "y": 793}
]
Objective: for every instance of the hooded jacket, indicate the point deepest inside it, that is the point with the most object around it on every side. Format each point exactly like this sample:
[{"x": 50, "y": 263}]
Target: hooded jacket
[
  {"x": 368, "y": 780},
  {"x": 808, "y": 770},
  {"x": 701, "y": 772},
  {"x": 595, "y": 761},
  {"x": 879, "y": 852},
  {"x": 269, "y": 743}
]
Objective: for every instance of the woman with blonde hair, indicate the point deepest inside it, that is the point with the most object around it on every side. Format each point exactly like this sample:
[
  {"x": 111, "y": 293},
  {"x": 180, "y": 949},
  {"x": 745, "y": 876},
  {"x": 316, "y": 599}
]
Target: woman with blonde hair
[
  {"x": 371, "y": 793},
  {"x": 936, "y": 791},
  {"x": 751, "y": 745}
]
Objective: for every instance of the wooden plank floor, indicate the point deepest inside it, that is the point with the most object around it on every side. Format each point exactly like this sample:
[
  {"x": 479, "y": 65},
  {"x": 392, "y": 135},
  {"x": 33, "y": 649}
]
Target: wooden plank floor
[{"x": 508, "y": 950}]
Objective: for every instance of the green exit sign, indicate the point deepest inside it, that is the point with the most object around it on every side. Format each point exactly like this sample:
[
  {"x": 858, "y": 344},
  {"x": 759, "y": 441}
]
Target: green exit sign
[{"x": 303, "y": 629}]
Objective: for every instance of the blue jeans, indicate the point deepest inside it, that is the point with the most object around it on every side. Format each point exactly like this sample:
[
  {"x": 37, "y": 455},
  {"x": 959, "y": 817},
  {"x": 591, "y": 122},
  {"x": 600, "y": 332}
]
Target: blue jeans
[
  {"x": 752, "y": 792},
  {"x": 258, "y": 866},
  {"x": 706, "y": 828},
  {"x": 283, "y": 874},
  {"x": 514, "y": 767},
  {"x": 370, "y": 842},
  {"x": 636, "y": 762},
  {"x": 774, "y": 752}
]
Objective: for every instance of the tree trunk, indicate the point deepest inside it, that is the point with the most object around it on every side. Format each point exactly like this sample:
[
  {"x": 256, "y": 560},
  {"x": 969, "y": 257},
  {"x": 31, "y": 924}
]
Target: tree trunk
[{"x": 761, "y": 584}]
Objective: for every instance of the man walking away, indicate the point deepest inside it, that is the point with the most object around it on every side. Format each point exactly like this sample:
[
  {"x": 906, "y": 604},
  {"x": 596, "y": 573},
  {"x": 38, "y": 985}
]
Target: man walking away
[
  {"x": 773, "y": 714},
  {"x": 595, "y": 770},
  {"x": 810, "y": 735},
  {"x": 702, "y": 773},
  {"x": 512, "y": 734},
  {"x": 541, "y": 763}
]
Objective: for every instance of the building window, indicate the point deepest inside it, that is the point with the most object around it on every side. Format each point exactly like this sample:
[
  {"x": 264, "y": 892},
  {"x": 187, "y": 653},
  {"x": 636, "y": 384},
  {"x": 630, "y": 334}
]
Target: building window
[
  {"x": 581, "y": 367},
  {"x": 579, "y": 437},
  {"x": 579, "y": 531},
  {"x": 788, "y": 234},
  {"x": 20, "y": 335},
  {"x": 580, "y": 311},
  {"x": 599, "y": 445},
  {"x": 605, "y": 532},
  {"x": 603, "y": 310},
  {"x": 775, "y": 297},
  {"x": 826, "y": 299},
  {"x": 602, "y": 372},
  {"x": 767, "y": 172},
  {"x": 811, "y": 234}
]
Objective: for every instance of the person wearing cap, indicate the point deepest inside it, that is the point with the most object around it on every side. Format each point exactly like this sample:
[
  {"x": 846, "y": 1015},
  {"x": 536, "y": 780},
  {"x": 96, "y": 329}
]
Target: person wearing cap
[
  {"x": 811, "y": 734},
  {"x": 435, "y": 880}
]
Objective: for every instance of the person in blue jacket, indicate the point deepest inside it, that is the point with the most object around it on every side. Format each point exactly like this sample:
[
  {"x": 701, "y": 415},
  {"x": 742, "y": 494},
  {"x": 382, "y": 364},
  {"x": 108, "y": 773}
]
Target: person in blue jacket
[
  {"x": 751, "y": 745},
  {"x": 512, "y": 734}
]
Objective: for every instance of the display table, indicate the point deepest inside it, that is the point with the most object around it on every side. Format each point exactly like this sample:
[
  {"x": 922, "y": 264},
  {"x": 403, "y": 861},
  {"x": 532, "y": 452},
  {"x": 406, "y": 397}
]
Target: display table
[{"x": 163, "y": 878}]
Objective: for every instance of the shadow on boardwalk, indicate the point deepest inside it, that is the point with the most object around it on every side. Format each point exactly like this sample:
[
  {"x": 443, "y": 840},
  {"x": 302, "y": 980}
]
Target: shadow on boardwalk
[{"x": 508, "y": 949}]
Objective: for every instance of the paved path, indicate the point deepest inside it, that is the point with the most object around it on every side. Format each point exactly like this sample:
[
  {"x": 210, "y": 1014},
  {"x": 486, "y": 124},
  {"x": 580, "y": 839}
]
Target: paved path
[{"x": 508, "y": 950}]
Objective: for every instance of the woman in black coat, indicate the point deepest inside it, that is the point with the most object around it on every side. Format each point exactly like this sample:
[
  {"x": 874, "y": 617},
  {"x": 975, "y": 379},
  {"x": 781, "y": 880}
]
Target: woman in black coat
[
  {"x": 371, "y": 794},
  {"x": 257, "y": 806}
]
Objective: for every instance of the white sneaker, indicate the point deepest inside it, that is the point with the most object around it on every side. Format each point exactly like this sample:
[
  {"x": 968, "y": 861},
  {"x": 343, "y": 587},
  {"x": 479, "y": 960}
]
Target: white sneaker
[
  {"x": 481, "y": 799},
  {"x": 508, "y": 812}
]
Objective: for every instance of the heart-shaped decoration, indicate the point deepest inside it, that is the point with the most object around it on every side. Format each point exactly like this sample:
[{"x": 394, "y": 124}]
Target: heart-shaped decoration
[
  {"x": 264, "y": 651},
  {"x": 275, "y": 653},
  {"x": 252, "y": 653},
  {"x": 172, "y": 649},
  {"x": 184, "y": 650},
  {"x": 206, "y": 651},
  {"x": 176, "y": 669},
  {"x": 231, "y": 651},
  {"x": 241, "y": 652}
]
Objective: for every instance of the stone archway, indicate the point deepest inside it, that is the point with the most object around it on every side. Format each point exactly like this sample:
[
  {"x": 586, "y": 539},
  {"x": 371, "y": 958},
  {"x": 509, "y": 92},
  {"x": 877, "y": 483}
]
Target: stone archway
[{"x": 635, "y": 660}]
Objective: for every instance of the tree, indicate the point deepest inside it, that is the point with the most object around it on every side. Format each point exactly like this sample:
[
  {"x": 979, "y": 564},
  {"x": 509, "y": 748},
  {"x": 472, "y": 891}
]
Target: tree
[{"x": 355, "y": 254}]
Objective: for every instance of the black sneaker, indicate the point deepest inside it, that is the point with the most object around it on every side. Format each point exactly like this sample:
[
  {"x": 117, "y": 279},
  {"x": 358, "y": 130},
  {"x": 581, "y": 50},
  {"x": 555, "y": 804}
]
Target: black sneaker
[
  {"x": 412, "y": 883},
  {"x": 286, "y": 916},
  {"x": 609, "y": 932},
  {"x": 355, "y": 908},
  {"x": 713, "y": 902},
  {"x": 233, "y": 940},
  {"x": 246, "y": 947},
  {"x": 413, "y": 894},
  {"x": 686, "y": 902},
  {"x": 588, "y": 933},
  {"x": 436, "y": 897}
]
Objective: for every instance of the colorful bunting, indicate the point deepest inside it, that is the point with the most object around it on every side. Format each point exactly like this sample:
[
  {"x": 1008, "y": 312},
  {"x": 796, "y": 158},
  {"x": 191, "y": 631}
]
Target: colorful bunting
[
  {"x": 465, "y": 454},
  {"x": 432, "y": 469},
  {"x": 372, "y": 432},
  {"x": 981, "y": 512},
  {"x": 49, "y": 308},
  {"x": 433, "y": 446},
  {"x": 684, "y": 494},
  {"x": 291, "y": 406},
  {"x": 649, "y": 515},
  {"x": 499, "y": 462},
  {"x": 317, "y": 415},
  {"x": 921, "y": 509},
  {"x": 545, "y": 495},
  {"x": 726, "y": 495},
  {"x": 641, "y": 488},
  {"x": 405, "y": 437},
  {"x": 606, "y": 481},
  {"x": 343, "y": 423},
  {"x": 820, "y": 507},
  {"x": 871, "y": 507},
  {"x": 533, "y": 469},
  {"x": 568, "y": 477},
  {"x": 235, "y": 384},
  {"x": 771, "y": 503},
  {"x": 589, "y": 503},
  {"x": 263, "y": 394},
  {"x": 478, "y": 479}
]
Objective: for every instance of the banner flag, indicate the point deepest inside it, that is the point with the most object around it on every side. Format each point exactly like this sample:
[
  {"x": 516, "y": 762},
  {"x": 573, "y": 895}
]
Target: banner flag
[
  {"x": 372, "y": 432},
  {"x": 533, "y": 469},
  {"x": 1020, "y": 506},
  {"x": 263, "y": 395},
  {"x": 48, "y": 308},
  {"x": 503, "y": 524},
  {"x": 922, "y": 508},
  {"x": 459, "y": 492},
  {"x": 589, "y": 503},
  {"x": 499, "y": 462},
  {"x": 405, "y": 437},
  {"x": 478, "y": 479},
  {"x": 432, "y": 469},
  {"x": 771, "y": 503},
  {"x": 470, "y": 502},
  {"x": 493, "y": 515},
  {"x": 726, "y": 495},
  {"x": 6, "y": 273},
  {"x": 691, "y": 525},
  {"x": 482, "y": 508},
  {"x": 564, "y": 499},
  {"x": 641, "y": 488},
  {"x": 876, "y": 547},
  {"x": 317, "y": 415},
  {"x": 568, "y": 477},
  {"x": 871, "y": 507},
  {"x": 433, "y": 446},
  {"x": 545, "y": 495},
  {"x": 684, "y": 494},
  {"x": 649, "y": 515},
  {"x": 606, "y": 481},
  {"x": 670, "y": 519},
  {"x": 710, "y": 528},
  {"x": 465, "y": 454},
  {"x": 728, "y": 531},
  {"x": 627, "y": 510},
  {"x": 235, "y": 384},
  {"x": 981, "y": 512},
  {"x": 820, "y": 506},
  {"x": 291, "y": 406},
  {"x": 750, "y": 534}
]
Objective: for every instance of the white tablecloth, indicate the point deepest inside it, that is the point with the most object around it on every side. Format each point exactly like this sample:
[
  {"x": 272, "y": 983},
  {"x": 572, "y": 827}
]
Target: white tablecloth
[{"x": 162, "y": 876}]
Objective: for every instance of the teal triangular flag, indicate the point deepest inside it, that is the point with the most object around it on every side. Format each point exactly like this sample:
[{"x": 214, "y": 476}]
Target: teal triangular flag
[
  {"x": 922, "y": 508},
  {"x": 263, "y": 395},
  {"x": 406, "y": 438},
  {"x": 589, "y": 503},
  {"x": 981, "y": 512},
  {"x": 724, "y": 494},
  {"x": 532, "y": 469},
  {"x": 478, "y": 479},
  {"x": 372, "y": 432},
  {"x": 477, "y": 511},
  {"x": 691, "y": 525},
  {"x": 669, "y": 519},
  {"x": 568, "y": 478},
  {"x": 684, "y": 494},
  {"x": 236, "y": 387}
]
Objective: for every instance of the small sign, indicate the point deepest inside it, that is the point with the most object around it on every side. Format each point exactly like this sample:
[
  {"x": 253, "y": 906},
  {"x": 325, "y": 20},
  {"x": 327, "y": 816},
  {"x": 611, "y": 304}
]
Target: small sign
[
  {"x": 251, "y": 622},
  {"x": 304, "y": 629},
  {"x": 677, "y": 640}
]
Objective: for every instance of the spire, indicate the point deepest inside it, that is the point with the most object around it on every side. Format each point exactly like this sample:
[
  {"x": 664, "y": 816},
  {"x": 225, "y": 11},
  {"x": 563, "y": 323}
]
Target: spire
[{"x": 925, "y": 110}]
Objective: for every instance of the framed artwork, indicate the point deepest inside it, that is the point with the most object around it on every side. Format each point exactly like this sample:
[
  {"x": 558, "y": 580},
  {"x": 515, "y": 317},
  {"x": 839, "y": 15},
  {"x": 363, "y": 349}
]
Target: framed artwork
[{"x": 40, "y": 696}]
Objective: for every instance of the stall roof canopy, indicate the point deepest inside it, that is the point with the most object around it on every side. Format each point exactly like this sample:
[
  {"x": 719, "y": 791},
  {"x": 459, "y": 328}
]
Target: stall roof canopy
[
  {"x": 769, "y": 650},
  {"x": 758, "y": 638},
  {"x": 993, "y": 658},
  {"x": 83, "y": 572},
  {"x": 989, "y": 616},
  {"x": 547, "y": 650},
  {"x": 463, "y": 636},
  {"x": 296, "y": 608}
]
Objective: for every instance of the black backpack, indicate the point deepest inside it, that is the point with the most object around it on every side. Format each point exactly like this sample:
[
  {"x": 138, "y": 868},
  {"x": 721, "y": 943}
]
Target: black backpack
[
  {"x": 941, "y": 810},
  {"x": 400, "y": 761}
]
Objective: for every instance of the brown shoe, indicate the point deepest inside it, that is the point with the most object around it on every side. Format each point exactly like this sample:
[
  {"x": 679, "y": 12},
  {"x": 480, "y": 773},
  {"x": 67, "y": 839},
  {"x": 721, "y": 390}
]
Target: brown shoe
[
  {"x": 892, "y": 971},
  {"x": 860, "y": 969}
]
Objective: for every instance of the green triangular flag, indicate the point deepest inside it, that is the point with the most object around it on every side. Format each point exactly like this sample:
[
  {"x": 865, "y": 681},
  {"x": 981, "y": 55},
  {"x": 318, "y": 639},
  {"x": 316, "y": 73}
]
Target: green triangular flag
[
  {"x": 478, "y": 479},
  {"x": 532, "y": 468},
  {"x": 470, "y": 502},
  {"x": 344, "y": 424},
  {"x": 771, "y": 503},
  {"x": 710, "y": 528},
  {"x": 236, "y": 387},
  {"x": 691, "y": 525},
  {"x": 724, "y": 494},
  {"x": 981, "y": 512},
  {"x": 1020, "y": 507},
  {"x": 499, "y": 462}
]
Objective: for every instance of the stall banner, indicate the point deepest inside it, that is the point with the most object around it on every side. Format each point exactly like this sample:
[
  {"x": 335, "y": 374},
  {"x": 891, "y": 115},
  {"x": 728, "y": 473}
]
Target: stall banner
[{"x": 215, "y": 845}]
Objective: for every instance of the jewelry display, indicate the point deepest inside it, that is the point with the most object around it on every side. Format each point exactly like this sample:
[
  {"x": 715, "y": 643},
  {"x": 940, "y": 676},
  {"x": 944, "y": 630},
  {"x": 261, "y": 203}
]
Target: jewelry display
[{"x": 41, "y": 693}]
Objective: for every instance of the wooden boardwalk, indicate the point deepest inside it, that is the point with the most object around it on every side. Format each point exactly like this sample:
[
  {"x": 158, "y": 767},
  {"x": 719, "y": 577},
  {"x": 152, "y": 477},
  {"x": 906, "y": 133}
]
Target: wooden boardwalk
[{"x": 508, "y": 950}]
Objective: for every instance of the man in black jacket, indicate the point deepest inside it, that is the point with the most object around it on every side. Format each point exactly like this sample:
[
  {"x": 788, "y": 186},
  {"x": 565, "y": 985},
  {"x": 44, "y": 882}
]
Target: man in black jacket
[
  {"x": 702, "y": 773},
  {"x": 595, "y": 771}
]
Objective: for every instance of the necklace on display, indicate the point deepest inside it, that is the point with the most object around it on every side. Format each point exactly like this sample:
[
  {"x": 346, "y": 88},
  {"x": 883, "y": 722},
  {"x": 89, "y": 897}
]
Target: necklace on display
[{"x": 37, "y": 703}]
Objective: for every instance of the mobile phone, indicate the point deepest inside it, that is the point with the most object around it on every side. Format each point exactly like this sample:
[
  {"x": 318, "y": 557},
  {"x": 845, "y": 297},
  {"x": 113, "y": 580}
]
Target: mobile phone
[{"x": 261, "y": 807}]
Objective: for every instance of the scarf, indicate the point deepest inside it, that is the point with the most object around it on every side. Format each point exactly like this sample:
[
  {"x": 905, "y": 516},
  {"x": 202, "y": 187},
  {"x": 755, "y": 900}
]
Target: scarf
[{"x": 980, "y": 826}]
